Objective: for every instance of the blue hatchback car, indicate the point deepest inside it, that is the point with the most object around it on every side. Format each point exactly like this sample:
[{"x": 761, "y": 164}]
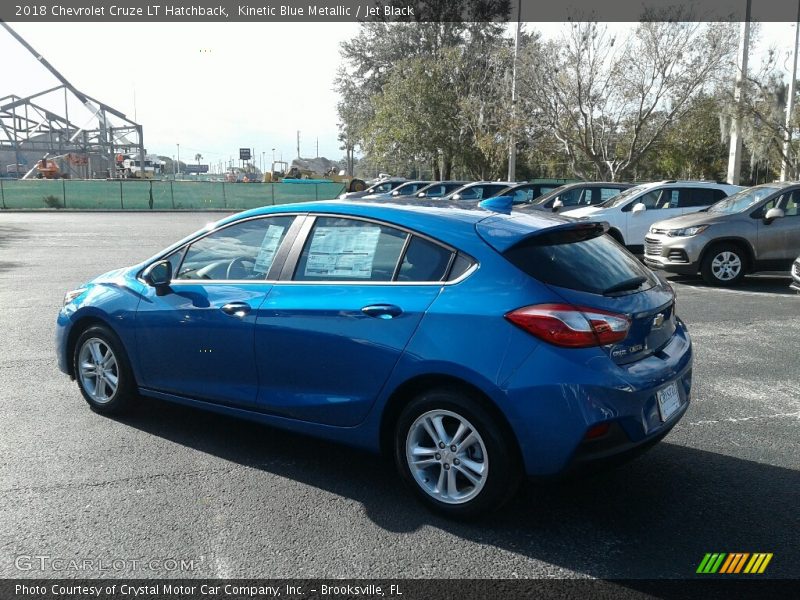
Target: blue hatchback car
[{"x": 475, "y": 346}]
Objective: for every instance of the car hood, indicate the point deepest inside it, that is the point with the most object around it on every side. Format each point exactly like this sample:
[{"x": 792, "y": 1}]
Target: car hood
[
  {"x": 115, "y": 276},
  {"x": 585, "y": 211},
  {"x": 690, "y": 220}
]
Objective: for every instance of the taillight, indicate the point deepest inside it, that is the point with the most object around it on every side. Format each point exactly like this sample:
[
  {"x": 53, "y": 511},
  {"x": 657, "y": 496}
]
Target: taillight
[
  {"x": 597, "y": 431},
  {"x": 571, "y": 326}
]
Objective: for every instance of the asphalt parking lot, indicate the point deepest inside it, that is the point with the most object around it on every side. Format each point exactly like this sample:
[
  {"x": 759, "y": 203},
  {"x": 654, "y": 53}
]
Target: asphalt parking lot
[{"x": 241, "y": 500}]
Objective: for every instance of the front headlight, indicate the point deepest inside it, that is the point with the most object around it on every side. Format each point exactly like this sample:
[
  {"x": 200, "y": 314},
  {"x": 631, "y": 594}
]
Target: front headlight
[
  {"x": 687, "y": 231},
  {"x": 72, "y": 294}
]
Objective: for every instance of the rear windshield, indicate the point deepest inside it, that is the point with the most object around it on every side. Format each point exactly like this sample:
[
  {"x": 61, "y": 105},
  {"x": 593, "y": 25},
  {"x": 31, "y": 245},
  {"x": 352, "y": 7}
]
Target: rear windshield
[{"x": 594, "y": 265}]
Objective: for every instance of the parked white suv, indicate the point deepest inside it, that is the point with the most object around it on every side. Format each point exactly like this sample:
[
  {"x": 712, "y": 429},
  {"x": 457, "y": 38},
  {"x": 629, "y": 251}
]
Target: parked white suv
[{"x": 631, "y": 212}]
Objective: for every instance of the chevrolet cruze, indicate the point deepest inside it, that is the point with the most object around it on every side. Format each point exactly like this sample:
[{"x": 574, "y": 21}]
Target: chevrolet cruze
[{"x": 474, "y": 344}]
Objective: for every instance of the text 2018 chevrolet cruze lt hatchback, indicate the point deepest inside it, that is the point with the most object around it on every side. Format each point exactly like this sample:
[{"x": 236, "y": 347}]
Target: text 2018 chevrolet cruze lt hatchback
[{"x": 476, "y": 346}]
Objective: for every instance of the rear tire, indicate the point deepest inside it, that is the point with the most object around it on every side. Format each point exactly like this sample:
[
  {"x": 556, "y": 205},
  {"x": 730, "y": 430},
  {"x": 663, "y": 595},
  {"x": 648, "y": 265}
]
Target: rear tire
[
  {"x": 455, "y": 455},
  {"x": 724, "y": 265},
  {"x": 357, "y": 185},
  {"x": 102, "y": 370}
]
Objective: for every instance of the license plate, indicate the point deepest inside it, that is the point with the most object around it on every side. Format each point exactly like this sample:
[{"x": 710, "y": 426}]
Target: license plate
[{"x": 669, "y": 401}]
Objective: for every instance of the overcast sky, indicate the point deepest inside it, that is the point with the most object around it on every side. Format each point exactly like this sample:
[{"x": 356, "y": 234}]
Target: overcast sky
[{"x": 212, "y": 87}]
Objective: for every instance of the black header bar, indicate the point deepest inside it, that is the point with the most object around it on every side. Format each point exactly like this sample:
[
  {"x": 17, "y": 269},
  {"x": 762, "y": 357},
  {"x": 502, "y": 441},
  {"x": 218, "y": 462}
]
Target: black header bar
[{"x": 391, "y": 10}]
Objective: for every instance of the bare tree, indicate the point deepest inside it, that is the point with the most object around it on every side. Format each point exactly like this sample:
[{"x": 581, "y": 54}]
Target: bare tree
[
  {"x": 608, "y": 101},
  {"x": 764, "y": 116}
]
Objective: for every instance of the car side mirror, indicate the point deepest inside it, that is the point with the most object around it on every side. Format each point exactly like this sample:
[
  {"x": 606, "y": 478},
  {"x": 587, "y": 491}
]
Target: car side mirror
[
  {"x": 456, "y": 196},
  {"x": 639, "y": 207},
  {"x": 158, "y": 275},
  {"x": 772, "y": 214},
  {"x": 557, "y": 204},
  {"x": 421, "y": 195}
]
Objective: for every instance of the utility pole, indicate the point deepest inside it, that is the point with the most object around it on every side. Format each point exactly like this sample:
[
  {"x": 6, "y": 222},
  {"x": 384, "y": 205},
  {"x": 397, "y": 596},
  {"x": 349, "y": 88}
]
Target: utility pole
[
  {"x": 787, "y": 134},
  {"x": 512, "y": 142},
  {"x": 179, "y": 159},
  {"x": 735, "y": 152},
  {"x": 298, "y": 143}
]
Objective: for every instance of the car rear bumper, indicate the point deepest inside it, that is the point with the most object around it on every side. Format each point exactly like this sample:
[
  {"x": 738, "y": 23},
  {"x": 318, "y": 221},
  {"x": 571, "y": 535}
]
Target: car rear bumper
[{"x": 552, "y": 420}]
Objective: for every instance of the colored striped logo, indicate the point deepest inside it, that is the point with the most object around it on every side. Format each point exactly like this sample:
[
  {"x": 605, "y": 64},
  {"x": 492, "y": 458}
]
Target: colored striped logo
[{"x": 734, "y": 562}]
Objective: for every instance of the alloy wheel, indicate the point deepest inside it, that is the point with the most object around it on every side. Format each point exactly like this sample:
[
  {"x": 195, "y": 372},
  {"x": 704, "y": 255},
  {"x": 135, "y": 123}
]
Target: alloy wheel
[
  {"x": 447, "y": 456},
  {"x": 726, "y": 266},
  {"x": 98, "y": 370}
]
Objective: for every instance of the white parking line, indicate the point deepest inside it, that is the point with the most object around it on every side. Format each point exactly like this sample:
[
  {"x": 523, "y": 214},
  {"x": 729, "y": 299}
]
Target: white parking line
[
  {"x": 795, "y": 415},
  {"x": 682, "y": 288}
]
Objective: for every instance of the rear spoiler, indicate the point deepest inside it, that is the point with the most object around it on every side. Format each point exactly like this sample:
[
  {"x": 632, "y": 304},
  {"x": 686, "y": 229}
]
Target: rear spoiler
[
  {"x": 503, "y": 234},
  {"x": 568, "y": 233}
]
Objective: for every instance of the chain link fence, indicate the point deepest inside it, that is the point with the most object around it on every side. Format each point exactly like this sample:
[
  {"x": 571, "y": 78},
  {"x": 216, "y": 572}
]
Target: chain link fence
[{"x": 157, "y": 195}]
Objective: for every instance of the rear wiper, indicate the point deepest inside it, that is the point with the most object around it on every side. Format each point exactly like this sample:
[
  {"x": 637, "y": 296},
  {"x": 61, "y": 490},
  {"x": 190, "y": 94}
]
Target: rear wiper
[{"x": 628, "y": 284}]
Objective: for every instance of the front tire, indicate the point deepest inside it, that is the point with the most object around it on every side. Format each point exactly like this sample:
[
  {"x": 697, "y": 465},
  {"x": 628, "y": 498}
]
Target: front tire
[
  {"x": 102, "y": 370},
  {"x": 455, "y": 455},
  {"x": 723, "y": 265}
]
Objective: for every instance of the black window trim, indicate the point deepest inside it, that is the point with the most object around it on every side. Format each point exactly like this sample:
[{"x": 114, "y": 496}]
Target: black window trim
[
  {"x": 270, "y": 277},
  {"x": 299, "y": 242}
]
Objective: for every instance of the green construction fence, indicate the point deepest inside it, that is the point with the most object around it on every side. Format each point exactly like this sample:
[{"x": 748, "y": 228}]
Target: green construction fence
[{"x": 157, "y": 195}]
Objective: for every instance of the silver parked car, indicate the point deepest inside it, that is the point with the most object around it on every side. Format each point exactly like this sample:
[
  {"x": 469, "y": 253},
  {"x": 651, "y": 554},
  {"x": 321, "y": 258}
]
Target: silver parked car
[
  {"x": 796, "y": 275},
  {"x": 757, "y": 229}
]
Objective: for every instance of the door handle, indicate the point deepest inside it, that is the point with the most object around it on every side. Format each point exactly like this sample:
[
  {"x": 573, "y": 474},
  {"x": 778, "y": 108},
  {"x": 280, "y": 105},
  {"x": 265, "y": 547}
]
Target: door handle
[
  {"x": 236, "y": 309},
  {"x": 382, "y": 311}
]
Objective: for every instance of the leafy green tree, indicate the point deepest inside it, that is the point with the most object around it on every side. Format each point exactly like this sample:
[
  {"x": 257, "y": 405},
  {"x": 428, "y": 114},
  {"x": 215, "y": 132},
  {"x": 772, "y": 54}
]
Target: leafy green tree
[
  {"x": 693, "y": 147},
  {"x": 417, "y": 79}
]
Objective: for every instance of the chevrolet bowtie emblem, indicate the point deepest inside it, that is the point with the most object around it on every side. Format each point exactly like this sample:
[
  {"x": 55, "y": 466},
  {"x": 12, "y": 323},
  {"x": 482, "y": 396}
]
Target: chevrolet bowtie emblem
[{"x": 658, "y": 321}]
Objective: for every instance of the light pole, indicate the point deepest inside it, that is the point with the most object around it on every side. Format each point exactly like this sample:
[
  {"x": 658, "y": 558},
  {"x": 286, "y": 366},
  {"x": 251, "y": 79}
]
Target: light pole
[
  {"x": 512, "y": 143},
  {"x": 735, "y": 151},
  {"x": 787, "y": 134},
  {"x": 179, "y": 159}
]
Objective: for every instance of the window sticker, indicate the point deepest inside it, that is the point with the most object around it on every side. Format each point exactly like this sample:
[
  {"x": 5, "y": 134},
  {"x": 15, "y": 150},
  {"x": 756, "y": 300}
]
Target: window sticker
[
  {"x": 345, "y": 252},
  {"x": 269, "y": 246}
]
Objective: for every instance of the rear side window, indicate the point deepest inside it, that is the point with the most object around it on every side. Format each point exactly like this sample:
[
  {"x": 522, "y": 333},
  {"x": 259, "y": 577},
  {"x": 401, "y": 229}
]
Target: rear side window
[
  {"x": 341, "y": 249},
  {"x": 606, "y": 194},
  {"x": 544, "y": 190},
  {"x": 461, "y": 265},
  {"x": 589, "y": 265},
  {"x": 344, "y": 249},
  {"x": 522, "y": 195},
  {"x": 700, "y": 197},
  {"x": 424, "y": 261}
]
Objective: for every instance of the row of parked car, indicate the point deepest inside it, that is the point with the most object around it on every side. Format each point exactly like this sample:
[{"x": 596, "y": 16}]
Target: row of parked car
[{"x": 720, "y": 231}]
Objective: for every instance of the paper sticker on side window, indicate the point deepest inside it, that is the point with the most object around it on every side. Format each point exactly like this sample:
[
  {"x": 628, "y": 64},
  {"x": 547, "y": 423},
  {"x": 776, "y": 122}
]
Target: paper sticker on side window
[
  {"x": 269, "y": 245},
  {"x": 342, "y": 252}
]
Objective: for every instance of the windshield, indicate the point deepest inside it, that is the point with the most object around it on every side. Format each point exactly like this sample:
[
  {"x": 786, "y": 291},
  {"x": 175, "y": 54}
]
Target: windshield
[
  {"x": 406, "y": 188},
  {"x": 550, "y": 195},
  {"x": 622, "y": 197},
  {"x": 742, "y": 200},
  {"x": 437, "y": 190}
]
